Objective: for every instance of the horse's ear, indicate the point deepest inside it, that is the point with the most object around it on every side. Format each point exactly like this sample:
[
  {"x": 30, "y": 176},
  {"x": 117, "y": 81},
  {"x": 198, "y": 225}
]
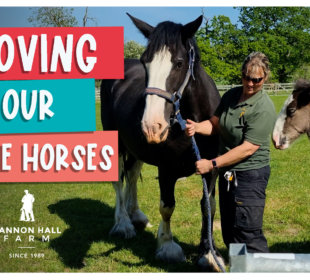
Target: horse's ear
[
  {"x": 144, "y": 27},
  {"x": 189, "y": 30}
]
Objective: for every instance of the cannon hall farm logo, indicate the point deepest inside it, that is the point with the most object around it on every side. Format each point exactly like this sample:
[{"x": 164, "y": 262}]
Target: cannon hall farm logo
[
  {"x": 27, "y": 208},
  {"x": 26, "y": 235},
  {"x": 48, "y": 118},
  {"x": 25, "y": 232}
]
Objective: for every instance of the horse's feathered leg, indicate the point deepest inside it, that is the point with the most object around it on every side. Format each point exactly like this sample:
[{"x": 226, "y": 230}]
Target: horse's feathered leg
[
  {"x": 132, "y": 172},
  {"x": 167, "y": 249},
  {"x": 206, "y": 260},
  {"x": 123, "y": 226}
]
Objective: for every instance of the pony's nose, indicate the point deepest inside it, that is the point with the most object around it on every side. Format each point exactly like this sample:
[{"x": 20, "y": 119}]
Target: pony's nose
[
  {"x": 279, "y": 141},
  {"x": 282, "y": 140},
  {"x": 276, "y": 140}
]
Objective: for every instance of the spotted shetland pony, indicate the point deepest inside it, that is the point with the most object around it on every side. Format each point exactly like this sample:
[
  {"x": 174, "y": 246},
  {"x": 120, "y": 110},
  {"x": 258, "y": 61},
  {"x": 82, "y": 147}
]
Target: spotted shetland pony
[
  {"x": 140, "y": 108},
  {"x": 294, "y": 118}
]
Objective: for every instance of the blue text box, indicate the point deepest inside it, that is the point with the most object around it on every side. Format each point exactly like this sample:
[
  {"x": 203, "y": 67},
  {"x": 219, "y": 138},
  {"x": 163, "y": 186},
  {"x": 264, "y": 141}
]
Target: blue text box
[{"x": 72, "y": 109}]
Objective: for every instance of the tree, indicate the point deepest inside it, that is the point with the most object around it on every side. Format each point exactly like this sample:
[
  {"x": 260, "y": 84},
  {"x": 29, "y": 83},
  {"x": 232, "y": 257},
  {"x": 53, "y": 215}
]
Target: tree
[
  {"x": 220, "y": 54},
  {"x": 53, "y": 17},
  {"x": 282, "y": 33},
  {"x": 86, "y": 18},
  {"x": 132, "y": 49}
]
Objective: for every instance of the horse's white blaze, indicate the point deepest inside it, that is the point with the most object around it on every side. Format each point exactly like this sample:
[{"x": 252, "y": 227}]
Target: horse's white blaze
[
  {"x": 279, "y": 125},
  {"x": 154, "y": 113},
  {"x": 159, "y": 69},
  {"x": 154, "y": 120}
]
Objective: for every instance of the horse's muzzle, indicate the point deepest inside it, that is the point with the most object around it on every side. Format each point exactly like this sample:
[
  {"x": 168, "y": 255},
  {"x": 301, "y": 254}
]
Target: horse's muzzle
[
  {"x": 157, "y": 115},
  {"x": 155, "y": 134}
]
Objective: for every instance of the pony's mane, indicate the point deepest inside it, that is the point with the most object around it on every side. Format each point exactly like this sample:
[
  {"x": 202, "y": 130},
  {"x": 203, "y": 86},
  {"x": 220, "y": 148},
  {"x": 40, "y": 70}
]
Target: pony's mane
[
  {"x": 302, "y": 84},
  {"x": 168, "y": 34}
]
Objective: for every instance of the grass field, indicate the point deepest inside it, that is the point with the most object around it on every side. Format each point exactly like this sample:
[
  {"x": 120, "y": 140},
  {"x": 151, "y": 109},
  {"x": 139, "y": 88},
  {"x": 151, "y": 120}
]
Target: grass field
[{"x": 84, "y": 214}]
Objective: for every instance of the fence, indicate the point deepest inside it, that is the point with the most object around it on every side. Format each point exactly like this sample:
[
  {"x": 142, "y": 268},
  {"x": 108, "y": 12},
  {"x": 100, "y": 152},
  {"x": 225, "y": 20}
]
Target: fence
[
  {"x": 272, "y": 89},
  {"x": 97, "y": 93}
]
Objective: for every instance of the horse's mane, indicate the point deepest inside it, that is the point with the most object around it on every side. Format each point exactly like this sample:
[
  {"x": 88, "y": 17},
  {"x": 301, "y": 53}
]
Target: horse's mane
[
  {"x": 168, "y": 34},
  {"x": 302, "y": 84}
]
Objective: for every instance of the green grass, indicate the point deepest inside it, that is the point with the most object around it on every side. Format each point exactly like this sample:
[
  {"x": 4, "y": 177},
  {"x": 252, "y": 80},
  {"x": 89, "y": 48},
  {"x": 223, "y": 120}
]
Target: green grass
[{"x": 84, "y": 212}]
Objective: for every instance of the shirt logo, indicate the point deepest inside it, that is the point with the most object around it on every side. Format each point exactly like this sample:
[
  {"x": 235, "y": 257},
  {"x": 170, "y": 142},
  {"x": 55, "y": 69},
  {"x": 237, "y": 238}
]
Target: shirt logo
[
  {"x": 242, "y": 112},
  {"x": 241, "y": 117}
]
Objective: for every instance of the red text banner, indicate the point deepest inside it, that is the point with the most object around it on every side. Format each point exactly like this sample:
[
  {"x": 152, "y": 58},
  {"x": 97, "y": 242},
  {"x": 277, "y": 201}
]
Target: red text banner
[
  {"x": 61, "y": 157},
  {"x": 61, "y": 53}
]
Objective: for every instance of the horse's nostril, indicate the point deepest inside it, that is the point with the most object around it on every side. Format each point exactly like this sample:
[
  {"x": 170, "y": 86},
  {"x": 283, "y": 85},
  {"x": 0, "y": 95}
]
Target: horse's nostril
[{"x": 160, "y": 126}]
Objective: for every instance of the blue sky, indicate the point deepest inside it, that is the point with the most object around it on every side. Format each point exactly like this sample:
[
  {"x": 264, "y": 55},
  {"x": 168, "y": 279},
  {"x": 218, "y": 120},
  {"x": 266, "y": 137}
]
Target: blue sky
[{"x": 116, "y": 16}]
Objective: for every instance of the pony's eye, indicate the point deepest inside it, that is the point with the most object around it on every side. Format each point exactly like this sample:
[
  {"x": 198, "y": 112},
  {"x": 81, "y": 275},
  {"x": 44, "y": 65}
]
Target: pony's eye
[{"x": 291, "y": 111}]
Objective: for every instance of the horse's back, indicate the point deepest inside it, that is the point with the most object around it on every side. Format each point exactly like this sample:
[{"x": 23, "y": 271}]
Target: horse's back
[{"x": 120, "y": 95}]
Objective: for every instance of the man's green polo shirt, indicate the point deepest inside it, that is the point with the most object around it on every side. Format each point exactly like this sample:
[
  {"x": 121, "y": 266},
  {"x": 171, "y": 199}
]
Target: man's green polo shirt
[{"x": 251, "y": 120}]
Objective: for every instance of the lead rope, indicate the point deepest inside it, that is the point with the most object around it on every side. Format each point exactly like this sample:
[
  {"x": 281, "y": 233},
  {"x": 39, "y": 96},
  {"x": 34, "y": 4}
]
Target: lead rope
[
  {"x": 205, "y": 191},
  {"x": 182, "y": 123}
]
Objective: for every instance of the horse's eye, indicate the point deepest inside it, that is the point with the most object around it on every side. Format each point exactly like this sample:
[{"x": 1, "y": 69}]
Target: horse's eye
[{"x": 179, "y": 64}]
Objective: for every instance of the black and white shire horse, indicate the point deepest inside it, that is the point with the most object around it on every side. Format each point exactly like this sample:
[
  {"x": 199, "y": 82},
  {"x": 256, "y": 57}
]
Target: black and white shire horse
[
  {"x": 294, "y": 117},
  {"x": 139, "y": 107}
]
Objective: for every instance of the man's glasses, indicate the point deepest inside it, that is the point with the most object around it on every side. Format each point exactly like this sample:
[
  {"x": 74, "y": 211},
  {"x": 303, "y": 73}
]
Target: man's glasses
[{"x": 253, "y": 80}]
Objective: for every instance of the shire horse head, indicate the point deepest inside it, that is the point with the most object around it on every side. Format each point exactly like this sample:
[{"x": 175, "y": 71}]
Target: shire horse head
[
  {"x": 167, "y": 61},
  {"x": 294, "y": 118}
]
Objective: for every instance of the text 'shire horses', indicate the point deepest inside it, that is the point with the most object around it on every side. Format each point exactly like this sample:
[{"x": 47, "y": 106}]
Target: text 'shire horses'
[
  {"x": 294, "y": 118},
  {"x": 147, "y": 132}
]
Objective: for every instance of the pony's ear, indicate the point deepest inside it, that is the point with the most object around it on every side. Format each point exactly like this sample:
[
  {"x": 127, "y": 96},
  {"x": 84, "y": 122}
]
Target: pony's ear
[
  {"x": 303, "y": 98},
  {"x": 302, "y": 87},
  {"x": 189, "y": 30},
  {"x": 145, "y": 28}
]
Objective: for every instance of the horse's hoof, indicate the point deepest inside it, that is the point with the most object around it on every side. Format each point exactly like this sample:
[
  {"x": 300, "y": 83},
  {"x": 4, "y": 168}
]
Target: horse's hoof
[
  {"x": 208, "y": 263},
  {"x": 139, "y": 220},
  {"x": 123, "y": 230},
  {"x": 170, "y": 252}
]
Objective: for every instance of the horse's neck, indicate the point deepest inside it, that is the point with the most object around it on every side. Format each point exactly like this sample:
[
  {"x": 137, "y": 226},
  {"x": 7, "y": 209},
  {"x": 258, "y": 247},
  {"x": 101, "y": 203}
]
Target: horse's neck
[{"x": 202, "y": 96}]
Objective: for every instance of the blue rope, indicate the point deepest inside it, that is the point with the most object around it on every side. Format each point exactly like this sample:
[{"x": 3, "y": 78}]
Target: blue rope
[{"x": 204, "y": 181}]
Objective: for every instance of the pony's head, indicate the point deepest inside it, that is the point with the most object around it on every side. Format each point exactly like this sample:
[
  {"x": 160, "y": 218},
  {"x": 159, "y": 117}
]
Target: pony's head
[
  {"x": 294, "y": 118},
  {"x": 166, "y": 60}
]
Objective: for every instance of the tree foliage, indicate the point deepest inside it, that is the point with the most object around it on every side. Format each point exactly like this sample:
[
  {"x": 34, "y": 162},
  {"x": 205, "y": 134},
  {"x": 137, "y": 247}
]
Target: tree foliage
[
  {"x": 219, "y": 55},
  {"x": 282, "y": 33},
  {"x": 132, "y": 49},
  {"x": 53, "y": 17}
]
